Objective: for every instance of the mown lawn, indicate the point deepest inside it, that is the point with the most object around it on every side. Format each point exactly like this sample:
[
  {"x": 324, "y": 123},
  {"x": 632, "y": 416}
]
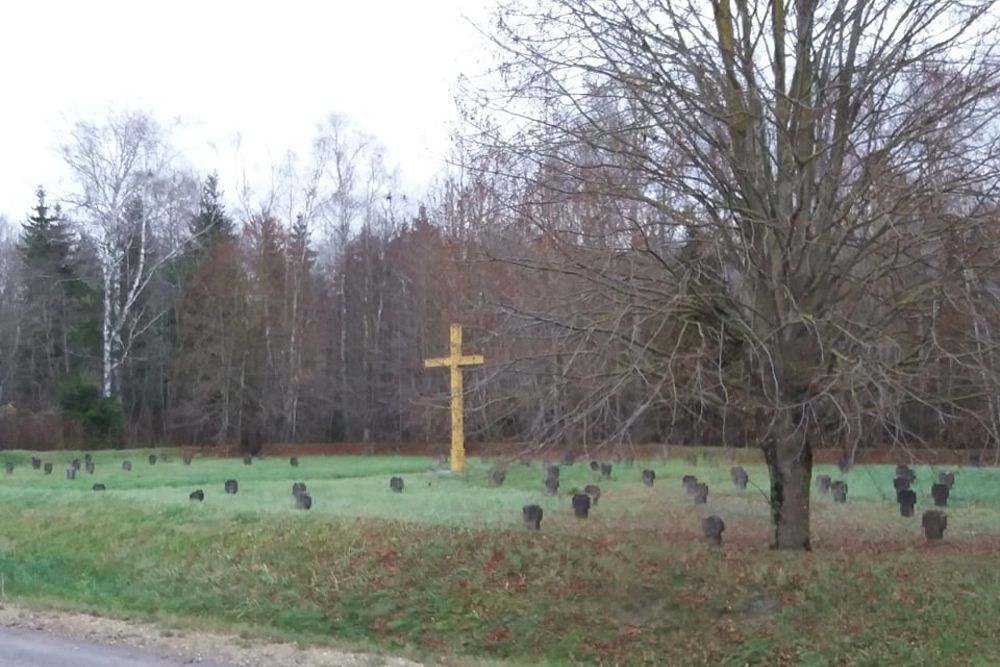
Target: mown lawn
[{"x": 444, "y": 570}]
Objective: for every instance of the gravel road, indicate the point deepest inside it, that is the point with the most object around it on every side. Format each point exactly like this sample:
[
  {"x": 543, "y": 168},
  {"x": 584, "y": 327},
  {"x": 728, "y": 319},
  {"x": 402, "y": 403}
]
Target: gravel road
[
  {"x": 30, "y": 648},
  {"x": 31, "y": 638}
]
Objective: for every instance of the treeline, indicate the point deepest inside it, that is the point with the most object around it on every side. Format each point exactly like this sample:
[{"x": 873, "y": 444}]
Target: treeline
[{"x": 138, "y": 308}]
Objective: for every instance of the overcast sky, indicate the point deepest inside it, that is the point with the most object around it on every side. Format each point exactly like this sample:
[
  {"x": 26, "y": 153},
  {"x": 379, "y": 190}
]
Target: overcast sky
[{"x": 266, "y": 70}]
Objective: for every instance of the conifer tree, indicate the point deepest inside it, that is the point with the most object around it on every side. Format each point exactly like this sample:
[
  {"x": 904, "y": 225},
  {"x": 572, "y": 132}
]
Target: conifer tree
[{"x": 60, "y": 306}]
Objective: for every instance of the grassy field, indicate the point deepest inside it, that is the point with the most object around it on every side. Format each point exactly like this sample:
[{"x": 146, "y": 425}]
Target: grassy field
[{"x": 444, "y": 572}]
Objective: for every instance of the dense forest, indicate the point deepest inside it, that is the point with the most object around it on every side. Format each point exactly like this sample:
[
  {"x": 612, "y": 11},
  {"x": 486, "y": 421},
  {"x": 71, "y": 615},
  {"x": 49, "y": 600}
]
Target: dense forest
[{"x": 140, "y": 309}]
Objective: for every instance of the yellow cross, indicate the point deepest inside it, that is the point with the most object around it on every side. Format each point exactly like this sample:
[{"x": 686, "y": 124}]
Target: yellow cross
[{"x": 455, "y": 361}]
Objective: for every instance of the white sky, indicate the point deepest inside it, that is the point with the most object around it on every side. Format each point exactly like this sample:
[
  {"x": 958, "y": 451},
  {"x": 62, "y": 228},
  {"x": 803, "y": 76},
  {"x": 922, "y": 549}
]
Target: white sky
[{"x": 267, "y": 70}]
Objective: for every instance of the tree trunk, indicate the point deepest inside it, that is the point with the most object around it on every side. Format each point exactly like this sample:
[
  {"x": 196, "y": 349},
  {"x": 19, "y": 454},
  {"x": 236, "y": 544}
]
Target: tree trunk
[
  {"x": 345, "y": 394},
  {"x": 789, "y": 463},
  {"x": 107, "y": 335}
]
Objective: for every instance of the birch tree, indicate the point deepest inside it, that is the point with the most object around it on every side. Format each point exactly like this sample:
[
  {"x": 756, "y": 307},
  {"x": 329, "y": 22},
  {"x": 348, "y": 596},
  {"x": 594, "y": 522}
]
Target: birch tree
[
  {"x": 797, "y": 152},
  {"x": 126, "y": 189}
]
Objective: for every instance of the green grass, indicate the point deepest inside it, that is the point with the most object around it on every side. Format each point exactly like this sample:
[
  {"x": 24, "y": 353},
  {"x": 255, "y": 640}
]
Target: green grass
[{"x": 446, "y": 570}]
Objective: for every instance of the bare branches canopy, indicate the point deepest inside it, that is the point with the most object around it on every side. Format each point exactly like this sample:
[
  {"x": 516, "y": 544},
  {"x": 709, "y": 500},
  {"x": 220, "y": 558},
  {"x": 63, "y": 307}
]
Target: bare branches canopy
[{"x": 771, "y": 208}]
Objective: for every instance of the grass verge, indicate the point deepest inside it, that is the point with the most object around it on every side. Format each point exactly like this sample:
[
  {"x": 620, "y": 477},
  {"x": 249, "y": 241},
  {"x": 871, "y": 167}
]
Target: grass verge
[{"x": 444, "y": 570}]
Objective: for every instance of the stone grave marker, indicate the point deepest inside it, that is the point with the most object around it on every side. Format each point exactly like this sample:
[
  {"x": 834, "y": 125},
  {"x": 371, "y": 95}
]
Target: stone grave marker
[
  {"x": 532, "y": 517},
  {"x": 739, "y": 477},
  {"x": 700, "y": 493},
  {"x": 713, "y": 527},
  {"x": 581, "y": 505},
  {"x": 839, "y": 490},
  {"x": 940, "y": 493},
  {"x": 552, "y": 485},
  {"x": 823, "y": 483},
  {"x": 907, "y": 499},
  {"x": 689, "y": 481},
  {"x": 934, "y": 523}
]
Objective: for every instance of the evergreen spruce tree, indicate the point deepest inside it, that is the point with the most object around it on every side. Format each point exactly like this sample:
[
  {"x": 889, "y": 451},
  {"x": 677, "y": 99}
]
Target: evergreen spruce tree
[
  {"x": 211, "y": 223},
  {"x": 47, "y": 243},
  {"x": 60, "y": 307},
  {"x": 207, "y": 227},
  {"x": 300, "y": 245}
]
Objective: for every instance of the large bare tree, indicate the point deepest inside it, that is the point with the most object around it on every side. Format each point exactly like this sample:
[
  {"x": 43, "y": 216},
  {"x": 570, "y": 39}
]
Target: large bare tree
[{"x": 767, "y": 207}]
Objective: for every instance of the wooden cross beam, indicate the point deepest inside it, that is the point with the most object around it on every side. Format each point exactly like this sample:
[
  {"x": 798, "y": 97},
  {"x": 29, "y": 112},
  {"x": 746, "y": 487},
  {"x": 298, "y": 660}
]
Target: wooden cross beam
[{"x": 455, "y": 360}]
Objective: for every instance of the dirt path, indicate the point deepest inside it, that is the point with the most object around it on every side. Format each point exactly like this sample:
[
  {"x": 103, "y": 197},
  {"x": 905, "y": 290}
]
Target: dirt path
[{"x": 54, "y": 639}]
